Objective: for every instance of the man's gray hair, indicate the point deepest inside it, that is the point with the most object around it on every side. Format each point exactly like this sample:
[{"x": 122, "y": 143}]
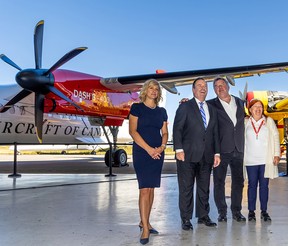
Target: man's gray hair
[{"x": 220, "y": 78}]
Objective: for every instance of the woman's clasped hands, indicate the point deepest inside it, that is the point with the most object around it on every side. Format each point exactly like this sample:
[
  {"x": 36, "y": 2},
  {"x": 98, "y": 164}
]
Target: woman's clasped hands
[{"x": 155, "y": 153}]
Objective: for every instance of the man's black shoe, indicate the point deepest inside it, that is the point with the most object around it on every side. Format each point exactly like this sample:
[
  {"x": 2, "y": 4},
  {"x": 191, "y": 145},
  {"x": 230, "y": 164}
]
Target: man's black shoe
[
  {"x": 206, "y": 221},
  {"x": 186, "y": 225},
  {"x": 222, "y": 217},
  {"x": 251, "y": 216},
  {"x": 238, "y": 217},
  {"x": 265, "y": 216}
]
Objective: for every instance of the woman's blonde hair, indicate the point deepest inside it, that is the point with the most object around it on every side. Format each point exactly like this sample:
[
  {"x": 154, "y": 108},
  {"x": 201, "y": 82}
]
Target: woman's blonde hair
[{"x": 143, "y": 92}]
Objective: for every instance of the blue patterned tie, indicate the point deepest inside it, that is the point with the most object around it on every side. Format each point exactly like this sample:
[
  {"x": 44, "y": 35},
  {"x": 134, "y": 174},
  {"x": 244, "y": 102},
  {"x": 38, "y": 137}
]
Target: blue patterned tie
[{"x": 203, "y": 114}]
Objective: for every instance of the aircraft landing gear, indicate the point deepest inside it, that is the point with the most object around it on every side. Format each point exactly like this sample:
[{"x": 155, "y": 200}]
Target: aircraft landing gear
[
  {"x": 119, "y": 158},
  {"x": 113, "y": 157}
]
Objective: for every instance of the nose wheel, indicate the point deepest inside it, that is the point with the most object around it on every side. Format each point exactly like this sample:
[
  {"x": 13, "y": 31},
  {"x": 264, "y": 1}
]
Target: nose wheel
[{"x": 119, "y": 158}]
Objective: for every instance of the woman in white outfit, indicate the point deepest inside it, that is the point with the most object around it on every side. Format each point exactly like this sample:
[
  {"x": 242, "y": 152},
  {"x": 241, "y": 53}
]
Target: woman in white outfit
[{"x": 261, "y": 157}]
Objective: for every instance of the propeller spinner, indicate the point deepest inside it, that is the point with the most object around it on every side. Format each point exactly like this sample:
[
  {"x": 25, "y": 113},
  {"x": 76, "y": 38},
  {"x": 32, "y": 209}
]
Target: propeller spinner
[{"x": 39, "y": 81}]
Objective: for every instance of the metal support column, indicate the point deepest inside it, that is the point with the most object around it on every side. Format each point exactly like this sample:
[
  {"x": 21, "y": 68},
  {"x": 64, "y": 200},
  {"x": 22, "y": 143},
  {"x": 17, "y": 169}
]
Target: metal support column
[{"x": 15, "y": 174}]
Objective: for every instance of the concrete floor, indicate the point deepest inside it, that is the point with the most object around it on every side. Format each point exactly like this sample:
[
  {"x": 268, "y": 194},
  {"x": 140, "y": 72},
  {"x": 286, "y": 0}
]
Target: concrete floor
[{"x": 91, "y": 209}]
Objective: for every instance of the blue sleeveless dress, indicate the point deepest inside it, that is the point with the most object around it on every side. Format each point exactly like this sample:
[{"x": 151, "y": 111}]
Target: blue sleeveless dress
[{"x": 150, "y": 122}]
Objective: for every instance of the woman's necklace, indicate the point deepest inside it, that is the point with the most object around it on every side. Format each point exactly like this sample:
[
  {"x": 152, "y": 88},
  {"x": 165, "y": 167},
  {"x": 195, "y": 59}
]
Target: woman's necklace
[
  {"x": 254, "y": 128},
  {"x": 149, "y": 106}
]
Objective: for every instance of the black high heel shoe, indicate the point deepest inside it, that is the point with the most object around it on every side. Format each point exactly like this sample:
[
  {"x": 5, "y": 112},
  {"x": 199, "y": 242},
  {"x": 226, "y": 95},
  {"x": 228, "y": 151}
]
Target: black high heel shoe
[
  {"x": 152, "y": 230},
  {"x": 145, "y": 240}
]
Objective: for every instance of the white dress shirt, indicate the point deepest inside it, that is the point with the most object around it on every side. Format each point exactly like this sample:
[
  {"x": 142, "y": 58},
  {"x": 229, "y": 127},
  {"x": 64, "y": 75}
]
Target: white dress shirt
[{"x": 230, "y": 108}]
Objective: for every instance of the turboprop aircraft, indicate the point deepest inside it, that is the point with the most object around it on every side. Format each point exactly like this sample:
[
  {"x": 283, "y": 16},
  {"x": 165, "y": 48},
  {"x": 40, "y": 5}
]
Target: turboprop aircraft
[{"x": 104, "y": 102}]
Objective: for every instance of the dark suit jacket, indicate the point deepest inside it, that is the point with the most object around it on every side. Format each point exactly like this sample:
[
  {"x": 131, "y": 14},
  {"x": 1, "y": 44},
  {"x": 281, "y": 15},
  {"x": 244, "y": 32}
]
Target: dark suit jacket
[
  {"x": 189, "y": 133},
  {"x": 230, "y": 137}
]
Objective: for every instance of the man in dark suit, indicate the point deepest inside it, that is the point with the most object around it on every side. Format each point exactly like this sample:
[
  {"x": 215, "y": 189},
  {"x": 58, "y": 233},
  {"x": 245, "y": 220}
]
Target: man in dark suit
[
  {"x": 230, "y": 111},
  {"x": 196, "y": 142}
]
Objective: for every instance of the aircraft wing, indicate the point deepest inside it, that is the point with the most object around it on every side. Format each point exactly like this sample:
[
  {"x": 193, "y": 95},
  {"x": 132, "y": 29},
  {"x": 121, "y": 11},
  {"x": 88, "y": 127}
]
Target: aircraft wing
[{"x": 170, "y": 80}]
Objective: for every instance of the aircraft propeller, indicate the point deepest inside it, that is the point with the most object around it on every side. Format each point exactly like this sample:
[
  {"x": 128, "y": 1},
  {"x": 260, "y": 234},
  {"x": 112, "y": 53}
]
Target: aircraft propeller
[
  {"x": 38, "y": 80},
  {"x": 243, "y": 95}
]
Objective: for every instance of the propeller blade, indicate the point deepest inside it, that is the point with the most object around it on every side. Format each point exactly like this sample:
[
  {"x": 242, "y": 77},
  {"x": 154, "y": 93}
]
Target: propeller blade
[
  {"x": 38, "y": 42},
  {"x": 61, "y": 95},
  {"x": 65, "y": 59},
  {"x": 241, "y": 95},
  {"x": 245, "y": 90},
  {"x": 8, "y": 61},
  {"x": 22, "y": 94},
  {"x": 39, "y": 109},
  {"x": 245, "y": 93}
]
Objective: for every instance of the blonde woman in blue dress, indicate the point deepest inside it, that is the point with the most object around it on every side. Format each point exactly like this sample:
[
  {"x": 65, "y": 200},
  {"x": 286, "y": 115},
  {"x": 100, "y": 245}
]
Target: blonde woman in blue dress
[{"x": 148, "y": 128}]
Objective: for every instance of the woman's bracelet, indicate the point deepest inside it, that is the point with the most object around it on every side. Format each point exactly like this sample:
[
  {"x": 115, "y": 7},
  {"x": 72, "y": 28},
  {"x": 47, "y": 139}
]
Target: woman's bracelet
[{"x": 163, "y": 145}]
